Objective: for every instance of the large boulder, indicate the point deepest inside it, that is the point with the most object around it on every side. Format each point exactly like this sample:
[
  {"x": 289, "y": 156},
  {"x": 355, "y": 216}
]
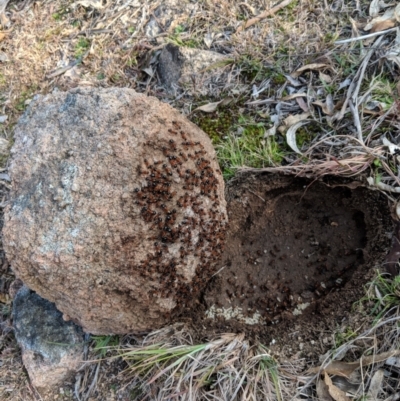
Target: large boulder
[{"x": 117, "y": 211}]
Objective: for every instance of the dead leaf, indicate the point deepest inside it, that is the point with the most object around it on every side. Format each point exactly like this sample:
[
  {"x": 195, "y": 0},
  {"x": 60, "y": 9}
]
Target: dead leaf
[
  {"x": 383, "y": 25},
  {"x": 388, "y": 15},
  {"x": 374, "y": 8},
  {"x": 293, "y": 81},
  {"x": 314, "y": 66},
  {"x": 4, "y": 298},
  {"x": 392, "y": 147},
  {"x": 3, "y": 57},
  {"x": 375, "y": 386},
  {"x": 270, "y": 132},
  {"x": 346, "y": 385},
  {"x": 369, "y": 359},
  {"x": 355, "y": 28},
  {"x": 345, "y": 369},
  {"x": 393, "y": 361},
  {"x": 294, "y": 96},
  {"x": 303, "y": 105},
  {"x": 291, "y": 136},
  {"x": 293, "y": 119},
  {"x": 327, "y": 107},
  {"x": 208, "y": 39},
  {"x": 345, "y": 83},
  {"x": 397, "y": 13},
  {"x": 325, "y": 77},
  {"x": 211, "y": 107},
  {"x": 149, "y": 71},
  {"x": 5, "y": 176},
  {"x": 323, "y": 392},
  {"x": 334, "y": 392}
]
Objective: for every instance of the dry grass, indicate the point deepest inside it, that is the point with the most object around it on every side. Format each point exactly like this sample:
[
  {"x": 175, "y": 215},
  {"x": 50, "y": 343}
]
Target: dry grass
[
  {"x": 168, "y": 365},
  {"x": 350, "y": 129}
]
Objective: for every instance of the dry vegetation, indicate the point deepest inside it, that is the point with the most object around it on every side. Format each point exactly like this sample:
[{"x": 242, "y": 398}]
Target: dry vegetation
[{"x": 301, "y": 100}]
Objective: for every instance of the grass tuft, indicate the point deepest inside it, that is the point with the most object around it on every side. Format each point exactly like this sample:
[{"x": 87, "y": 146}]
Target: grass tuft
[
  {"x": 227, "y": 368},
  {"x": 382, "y": 296}
]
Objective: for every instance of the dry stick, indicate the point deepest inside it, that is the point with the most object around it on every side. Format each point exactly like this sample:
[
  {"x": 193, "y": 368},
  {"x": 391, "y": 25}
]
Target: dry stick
[
  {"x": 370, "y": 35},
  {"x": 357, "y": 122},
  {"x": 263, "y": 15}
]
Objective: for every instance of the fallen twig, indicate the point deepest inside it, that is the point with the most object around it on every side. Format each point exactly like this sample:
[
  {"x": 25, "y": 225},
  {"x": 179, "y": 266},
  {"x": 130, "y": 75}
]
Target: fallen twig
[
  {"x": 263, "y": 15},
  {"x": 370, "y": 35}
]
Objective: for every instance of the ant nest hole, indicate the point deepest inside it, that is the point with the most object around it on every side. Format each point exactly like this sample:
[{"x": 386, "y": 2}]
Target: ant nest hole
[{"x": 296, "y": 250}]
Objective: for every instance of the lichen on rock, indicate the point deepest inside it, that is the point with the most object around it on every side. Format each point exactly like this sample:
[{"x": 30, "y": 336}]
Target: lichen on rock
[{"x": 117, "y": 209}]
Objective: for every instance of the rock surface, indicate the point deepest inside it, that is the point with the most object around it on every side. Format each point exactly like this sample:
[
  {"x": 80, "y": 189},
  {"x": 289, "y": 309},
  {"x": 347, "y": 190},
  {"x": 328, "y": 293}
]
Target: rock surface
[
  {"x": 52, "y": 349},
  {"x": 169, "y": 15},
  {"x": 196, "y": 70},
  {"x": 117, "y": 210}
]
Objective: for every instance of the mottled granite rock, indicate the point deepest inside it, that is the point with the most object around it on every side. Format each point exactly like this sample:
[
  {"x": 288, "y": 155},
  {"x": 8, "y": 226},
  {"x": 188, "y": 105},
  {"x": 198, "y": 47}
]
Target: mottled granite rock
[{"x": 117, "y": 211}]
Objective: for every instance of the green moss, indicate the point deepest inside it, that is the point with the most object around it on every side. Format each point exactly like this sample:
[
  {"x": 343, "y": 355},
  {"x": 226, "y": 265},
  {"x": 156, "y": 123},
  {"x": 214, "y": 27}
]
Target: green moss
[
  {"x": 278, "y": 79},
  {"x": 218, "y": 124},
  {"x": 20, "y": 104},
  {"x": 305, "y": 134},
  {"x": 81, "y": 47},
  {"x": 61, "y": 14},
  {"x": 76, "y": 23},
  {"x": 183, "y": 41}
]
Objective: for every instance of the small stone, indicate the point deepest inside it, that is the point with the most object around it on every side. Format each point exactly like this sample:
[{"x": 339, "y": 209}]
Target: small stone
[
  {"x": 52, "y": 350},
  {"x": 190, "y": 68},
  {"x": 165, "y": 17}
]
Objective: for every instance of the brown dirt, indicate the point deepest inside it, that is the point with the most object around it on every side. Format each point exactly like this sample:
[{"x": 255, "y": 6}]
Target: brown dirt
[{"x": 293, "y": 243}]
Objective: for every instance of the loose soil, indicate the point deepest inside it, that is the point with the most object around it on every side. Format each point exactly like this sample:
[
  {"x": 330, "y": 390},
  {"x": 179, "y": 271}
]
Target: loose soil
[{"x": 298, "y": 254}]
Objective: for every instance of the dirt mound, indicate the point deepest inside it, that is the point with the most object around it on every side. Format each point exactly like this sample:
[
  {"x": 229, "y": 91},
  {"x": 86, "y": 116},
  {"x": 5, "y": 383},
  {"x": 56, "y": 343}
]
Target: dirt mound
[{"x": 296, "y": 250}]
